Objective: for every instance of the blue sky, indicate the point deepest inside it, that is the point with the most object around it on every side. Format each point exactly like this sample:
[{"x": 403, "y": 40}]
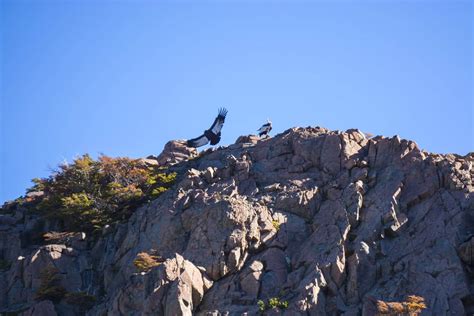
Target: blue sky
[{"x": 123, "y": 78}]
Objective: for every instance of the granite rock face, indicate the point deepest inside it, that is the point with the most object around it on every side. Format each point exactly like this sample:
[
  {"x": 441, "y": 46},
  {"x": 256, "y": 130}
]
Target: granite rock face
[
  {"x": 325, "y": 221},
  {"x": 174, "y": 152}
]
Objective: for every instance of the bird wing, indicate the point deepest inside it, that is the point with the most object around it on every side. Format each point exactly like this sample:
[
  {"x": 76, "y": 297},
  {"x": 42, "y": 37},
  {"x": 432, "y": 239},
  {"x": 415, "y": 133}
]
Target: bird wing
[
  {"x": 264, "y": 127},
  {"x": 219, "y": 121},
  {"x": 198, "y": 141}
]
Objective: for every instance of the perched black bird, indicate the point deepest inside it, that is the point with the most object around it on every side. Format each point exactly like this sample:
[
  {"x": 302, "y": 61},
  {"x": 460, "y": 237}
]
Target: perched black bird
[
  {"x": 212, "y": 134},
  {"x": 265, "y": 129}
]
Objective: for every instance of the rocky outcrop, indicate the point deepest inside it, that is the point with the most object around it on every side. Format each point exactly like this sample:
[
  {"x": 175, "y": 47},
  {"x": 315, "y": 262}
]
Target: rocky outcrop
[
  {"x": 174, "y": 152},
  {"x": 314, "y": 221}
]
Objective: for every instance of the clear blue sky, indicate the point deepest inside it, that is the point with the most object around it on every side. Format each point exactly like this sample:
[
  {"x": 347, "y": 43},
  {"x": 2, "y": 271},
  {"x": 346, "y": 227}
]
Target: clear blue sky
[{"x": 122, "y": 78}]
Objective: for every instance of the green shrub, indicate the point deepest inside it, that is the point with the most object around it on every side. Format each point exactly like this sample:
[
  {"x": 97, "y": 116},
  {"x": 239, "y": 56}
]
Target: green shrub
[
  {"x": 275, "y": 302},
  {"x": 272, "y": 303},
  {"x": 276, "y": 224},
  {"x": 88, "y": 194},
  {"x": 50, "y": 289},
  {"x": 39, "y": 185}
]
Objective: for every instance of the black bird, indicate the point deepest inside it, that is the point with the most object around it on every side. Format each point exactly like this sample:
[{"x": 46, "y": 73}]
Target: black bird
[
  {"x": 265, "y": 129},
  {"x": 212, "y": 134}
]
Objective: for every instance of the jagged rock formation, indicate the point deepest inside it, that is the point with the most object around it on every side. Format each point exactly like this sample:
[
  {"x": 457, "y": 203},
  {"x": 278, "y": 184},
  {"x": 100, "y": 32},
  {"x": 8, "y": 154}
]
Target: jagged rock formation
[
  {"x": 175, "y": 151},
  {"x": 326, "y": 221}
]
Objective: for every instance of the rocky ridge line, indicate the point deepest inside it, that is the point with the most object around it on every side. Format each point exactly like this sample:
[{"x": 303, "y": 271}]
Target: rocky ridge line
[{"x": 324, "y": 220}]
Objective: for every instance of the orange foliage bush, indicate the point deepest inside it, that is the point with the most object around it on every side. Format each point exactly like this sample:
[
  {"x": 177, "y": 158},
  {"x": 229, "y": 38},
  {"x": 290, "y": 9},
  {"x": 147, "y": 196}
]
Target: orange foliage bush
[{"x": 88, "y": 194}]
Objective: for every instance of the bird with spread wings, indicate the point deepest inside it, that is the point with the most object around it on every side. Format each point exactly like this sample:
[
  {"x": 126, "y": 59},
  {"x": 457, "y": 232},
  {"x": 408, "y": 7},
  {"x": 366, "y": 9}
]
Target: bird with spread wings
[
  {"x": 213, "y": 134},
  {"x": 265, "y": 129}
]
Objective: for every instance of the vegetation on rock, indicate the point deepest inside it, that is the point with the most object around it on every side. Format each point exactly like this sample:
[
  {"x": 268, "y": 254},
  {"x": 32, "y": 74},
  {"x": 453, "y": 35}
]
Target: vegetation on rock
[
  {"x": 88, "y": 194},
  {"x": 411, "y": 307},
  {"x": 145, "y": 261},
  {"x": 415, "y": 304},
  {"x": 57, "y": 237},
  {"x": 272, "y": 303},
  {"x": 50, "y": 288},
  {"x": 276, "y": 224},
  {"x": 82, "y": 300}
]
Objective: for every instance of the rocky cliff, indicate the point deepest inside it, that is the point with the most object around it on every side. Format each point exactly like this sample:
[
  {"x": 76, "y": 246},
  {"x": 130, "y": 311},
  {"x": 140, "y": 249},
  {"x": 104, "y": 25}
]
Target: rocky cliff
[{"x": 309, "y": 222}]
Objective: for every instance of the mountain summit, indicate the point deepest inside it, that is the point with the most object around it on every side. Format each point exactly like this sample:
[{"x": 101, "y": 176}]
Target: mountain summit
[{"x": 309, "y": 222}]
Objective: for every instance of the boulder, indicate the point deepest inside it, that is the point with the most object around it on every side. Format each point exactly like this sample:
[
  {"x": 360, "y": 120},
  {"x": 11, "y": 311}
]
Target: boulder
[{"x": 174, "y": 152}]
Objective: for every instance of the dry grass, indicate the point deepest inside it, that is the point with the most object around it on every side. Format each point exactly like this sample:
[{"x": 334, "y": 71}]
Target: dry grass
[
  {"x": 57, "y": 237},
  {"x": 145, "y": 261},
  {"x": 415, "y": 303},
  {"x": 412, "y": 306}
]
